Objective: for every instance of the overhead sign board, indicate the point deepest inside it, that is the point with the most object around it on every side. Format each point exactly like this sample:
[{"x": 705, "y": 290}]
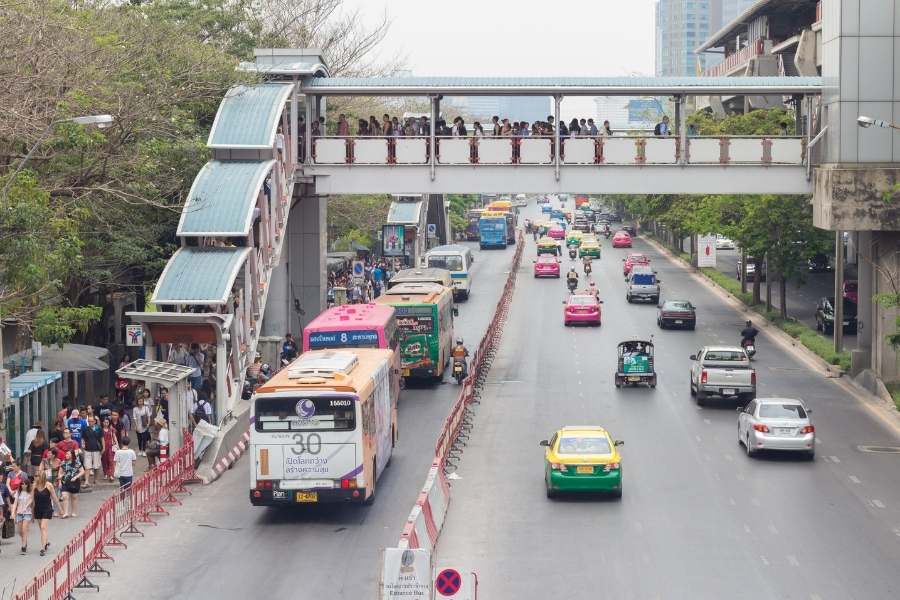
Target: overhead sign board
[
  {"x": 706, "y": 251},
  {"x": 406, "y": 574}
]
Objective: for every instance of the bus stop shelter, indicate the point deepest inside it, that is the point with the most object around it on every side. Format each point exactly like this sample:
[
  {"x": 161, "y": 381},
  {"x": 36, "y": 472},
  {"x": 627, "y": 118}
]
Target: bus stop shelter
[
  {"x": 171, "y": 376},
  {"x": 34, "y": 396}
]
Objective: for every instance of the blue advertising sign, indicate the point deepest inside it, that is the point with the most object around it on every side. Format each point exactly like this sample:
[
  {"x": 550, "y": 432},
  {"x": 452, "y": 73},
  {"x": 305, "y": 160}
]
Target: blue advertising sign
[{"x": 349, "y": 339}]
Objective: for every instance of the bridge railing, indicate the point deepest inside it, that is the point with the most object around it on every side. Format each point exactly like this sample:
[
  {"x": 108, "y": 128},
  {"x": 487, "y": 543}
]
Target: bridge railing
[{"x": 540, "y": 150}]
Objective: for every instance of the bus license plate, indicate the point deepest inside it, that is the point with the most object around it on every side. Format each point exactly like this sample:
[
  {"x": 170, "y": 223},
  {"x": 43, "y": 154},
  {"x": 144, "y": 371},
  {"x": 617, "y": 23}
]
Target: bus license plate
[{"x": 307, "y": 496}]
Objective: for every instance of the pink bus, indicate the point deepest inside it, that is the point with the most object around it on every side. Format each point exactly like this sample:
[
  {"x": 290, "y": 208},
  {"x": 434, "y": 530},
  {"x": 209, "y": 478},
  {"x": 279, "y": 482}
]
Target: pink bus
[{"x": 352, "y": 326}]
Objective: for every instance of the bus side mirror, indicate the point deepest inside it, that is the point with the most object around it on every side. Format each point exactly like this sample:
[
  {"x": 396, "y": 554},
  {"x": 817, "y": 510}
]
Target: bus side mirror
[
  {"x": 545, "y": 443},
  {"x": 693, "y": 357}
]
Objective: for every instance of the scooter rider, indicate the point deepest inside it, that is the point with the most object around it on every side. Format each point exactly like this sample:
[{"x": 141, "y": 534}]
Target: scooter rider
[
  {"x": 572, "y": 278},
  {"x": 586, "y": 264},
  {"x": 459, "y": 354},
  {"x": 749, "y": 333}
]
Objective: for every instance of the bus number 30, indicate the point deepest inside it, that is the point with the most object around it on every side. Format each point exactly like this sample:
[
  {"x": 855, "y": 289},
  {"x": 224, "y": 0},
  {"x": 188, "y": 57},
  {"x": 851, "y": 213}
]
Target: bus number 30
[{"x": 312, "y": 444}]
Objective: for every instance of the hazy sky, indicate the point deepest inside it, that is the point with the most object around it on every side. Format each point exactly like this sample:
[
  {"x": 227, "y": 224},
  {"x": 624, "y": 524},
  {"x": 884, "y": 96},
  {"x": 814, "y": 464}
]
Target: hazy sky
[{"x": 518, "y": 38}]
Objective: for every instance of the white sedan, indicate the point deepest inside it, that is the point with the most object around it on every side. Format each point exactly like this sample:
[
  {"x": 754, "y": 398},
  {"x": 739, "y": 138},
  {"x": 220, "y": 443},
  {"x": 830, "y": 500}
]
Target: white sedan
[
  {"x": 777, "y": 424},
  {"x": 724, "y": 243}
]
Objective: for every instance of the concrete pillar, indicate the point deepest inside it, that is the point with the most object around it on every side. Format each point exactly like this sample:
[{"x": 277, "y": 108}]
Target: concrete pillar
[
  {"x": 861, "y": 356},
  {"x": 884, "y": 320},
  {"x": 306, "y": 251}
]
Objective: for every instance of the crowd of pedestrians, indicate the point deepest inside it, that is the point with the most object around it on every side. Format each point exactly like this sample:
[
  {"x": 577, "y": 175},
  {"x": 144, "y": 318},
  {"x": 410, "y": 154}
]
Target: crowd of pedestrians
[
  {"x": 87, "y": 445},
  {"x": 376, "y": 275}
]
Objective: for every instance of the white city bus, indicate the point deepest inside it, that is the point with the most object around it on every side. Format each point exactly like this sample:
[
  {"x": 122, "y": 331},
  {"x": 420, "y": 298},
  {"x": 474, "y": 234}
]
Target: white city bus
[
  {"x": 323, "y": 429},
  {"x": 457, "y": 259}
]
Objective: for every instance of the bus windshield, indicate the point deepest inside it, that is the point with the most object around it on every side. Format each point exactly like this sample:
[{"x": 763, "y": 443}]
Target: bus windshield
[
  {"x": 451, "y": 262},
  {"x": 296, "y": 413}
]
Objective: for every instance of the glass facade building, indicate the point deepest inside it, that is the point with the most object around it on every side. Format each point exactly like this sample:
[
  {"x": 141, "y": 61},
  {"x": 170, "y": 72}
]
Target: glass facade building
[{"x": 681, "y": 26}]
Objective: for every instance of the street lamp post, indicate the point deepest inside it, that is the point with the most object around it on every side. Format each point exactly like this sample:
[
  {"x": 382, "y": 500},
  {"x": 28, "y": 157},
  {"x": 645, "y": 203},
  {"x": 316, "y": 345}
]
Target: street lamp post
[
  {"x": 866, "y": 122},
  {"x": 99, "y": 121}
]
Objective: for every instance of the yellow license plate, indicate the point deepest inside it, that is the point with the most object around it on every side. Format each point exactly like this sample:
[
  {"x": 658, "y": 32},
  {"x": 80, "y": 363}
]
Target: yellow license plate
[
  {"x": 307, "y": 496},
  {"x": 406, "y": 372},
  {"x": 586, "y": 470},
  {"x": 634, "y": 379}
]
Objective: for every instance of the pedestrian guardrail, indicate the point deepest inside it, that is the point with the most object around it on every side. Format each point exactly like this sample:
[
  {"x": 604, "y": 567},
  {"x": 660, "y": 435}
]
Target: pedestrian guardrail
[{"x": 120, "y": 515}]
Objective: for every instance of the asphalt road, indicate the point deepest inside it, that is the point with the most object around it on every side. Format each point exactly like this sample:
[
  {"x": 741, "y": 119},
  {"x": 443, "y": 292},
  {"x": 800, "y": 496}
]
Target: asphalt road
[
  {"x": 218, "y": 546},
  {"x": 699, "y": 519}
]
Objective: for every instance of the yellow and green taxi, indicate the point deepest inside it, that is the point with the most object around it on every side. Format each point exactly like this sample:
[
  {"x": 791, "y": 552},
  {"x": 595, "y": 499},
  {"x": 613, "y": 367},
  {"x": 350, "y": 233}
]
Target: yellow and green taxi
[
  {"x": 573, "y": 238},
  {"x": 582, "y": 459},
  {"x": 589, "y": 247},
  {"x": 547, "y": 245}
]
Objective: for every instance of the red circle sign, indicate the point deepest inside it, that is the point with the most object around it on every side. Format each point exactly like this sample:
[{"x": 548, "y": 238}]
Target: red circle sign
[{"x": 448, "y": 582}]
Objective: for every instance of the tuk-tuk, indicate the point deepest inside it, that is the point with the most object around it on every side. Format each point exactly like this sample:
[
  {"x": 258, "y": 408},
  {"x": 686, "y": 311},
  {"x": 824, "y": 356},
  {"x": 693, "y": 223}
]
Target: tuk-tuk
[
  {"x": 635, "y": 363},
  {"x": 573, "y": 238},
  {"x": 547, "y": 245}
]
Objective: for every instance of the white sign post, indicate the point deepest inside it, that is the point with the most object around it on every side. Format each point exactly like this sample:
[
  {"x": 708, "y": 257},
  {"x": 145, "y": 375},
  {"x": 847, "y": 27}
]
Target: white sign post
[
  {"x": 359, "y": 271},
  {"x": 706, "y": 251},
  {"x": 406, "y": 574},
  {"x": 134, "y": 335}
]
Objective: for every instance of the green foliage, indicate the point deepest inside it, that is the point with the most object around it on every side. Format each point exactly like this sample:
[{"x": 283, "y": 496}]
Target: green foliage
[
  {"x": 355, "y": 218},
  {"x": 346, "y": 241},
  {"x": 890, "y": 300},
  {"x": 894, "y": 389},
  {"x": 731, "y": 285},
  {"x": 59, "y": 324},
  {"x": 755, "y": 122},
  {"x": 459, "y": 206}
]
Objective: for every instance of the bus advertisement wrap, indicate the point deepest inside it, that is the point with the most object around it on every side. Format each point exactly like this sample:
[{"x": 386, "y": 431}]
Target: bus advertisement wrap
[{"x": 334, "y": 339}]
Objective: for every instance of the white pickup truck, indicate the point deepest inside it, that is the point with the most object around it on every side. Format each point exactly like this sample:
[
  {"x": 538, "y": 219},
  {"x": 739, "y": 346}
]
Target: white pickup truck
[{"x": 723, "y": 371}]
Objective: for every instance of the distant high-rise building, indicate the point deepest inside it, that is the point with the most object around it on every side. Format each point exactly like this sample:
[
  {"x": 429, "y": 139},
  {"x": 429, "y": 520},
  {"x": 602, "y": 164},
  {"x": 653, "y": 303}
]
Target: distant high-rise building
[
  {"x": 514, "y": 108},
  {"x": 731, "y": 9},
  {"x": 681, "y": 26}
]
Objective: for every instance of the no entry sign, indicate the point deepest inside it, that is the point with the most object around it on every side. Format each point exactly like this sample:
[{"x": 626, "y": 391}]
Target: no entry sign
[{"x": 451, "y": 583}]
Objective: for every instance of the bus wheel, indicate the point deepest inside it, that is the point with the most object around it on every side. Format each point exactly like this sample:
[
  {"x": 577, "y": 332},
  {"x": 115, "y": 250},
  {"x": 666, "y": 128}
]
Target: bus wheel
[{"x": 371, "y": 499}]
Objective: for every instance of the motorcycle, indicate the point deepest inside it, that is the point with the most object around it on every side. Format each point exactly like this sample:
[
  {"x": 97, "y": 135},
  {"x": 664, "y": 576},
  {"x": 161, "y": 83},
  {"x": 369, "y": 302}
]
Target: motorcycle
[
  {"x": 572, "y": 283},
  {"x": 459, "y": 371},
  {"x": 749, "y": 347},
  {"x": 587, "y": 269},
  {"x": 572, "y": 253}
]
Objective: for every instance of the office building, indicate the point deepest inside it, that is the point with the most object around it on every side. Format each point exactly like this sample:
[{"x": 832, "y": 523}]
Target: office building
[{"x": 681, "y": 26}]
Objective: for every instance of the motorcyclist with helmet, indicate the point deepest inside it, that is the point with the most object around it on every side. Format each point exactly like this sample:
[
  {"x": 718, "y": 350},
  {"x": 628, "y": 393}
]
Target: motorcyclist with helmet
[
  {"x": 748, "y": 336},
  {"x": 572, "y": 279},
  {"x": 460, "y": 354}
]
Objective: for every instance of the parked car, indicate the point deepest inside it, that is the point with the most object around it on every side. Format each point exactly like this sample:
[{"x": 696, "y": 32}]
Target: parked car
[
  {"x": 850, "y": 290},
  {"x": 751, "y": 269},
  {"x": 724, "y": 243},
  {"x": 825, "y": 315},
  {"x": 642, "y": 284},
  {"x": 722, "y": 371},
  {"x": 819, "y": 263},
  {"x": 777, "y": 424},
  {"x": 676, "y": 313}
]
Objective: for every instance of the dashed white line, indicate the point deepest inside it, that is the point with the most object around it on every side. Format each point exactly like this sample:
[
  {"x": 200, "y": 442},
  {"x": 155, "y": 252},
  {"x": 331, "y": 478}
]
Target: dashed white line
[
  {"x": 793, "y": 560},
  {"x": 897, "y": 531},
  {"x": 878, "y": 503},
  {"x": 755, "y": 502},
  {"x": 854, "y": 479},
  {"x": 732, "y": 502},
  {"x": 707, "y": 421},
  {"x": 773, "y": 529},
  {"x": 697, "y": 438},
  {"x": 818, "y": 440},
  {"x": 747, "y": 528},
  {"x": 729, "y": 457},
  {"x": 834, "y": 459},
  {"x": 815, "y": 597},
  {"x": 764, "y": 560}
]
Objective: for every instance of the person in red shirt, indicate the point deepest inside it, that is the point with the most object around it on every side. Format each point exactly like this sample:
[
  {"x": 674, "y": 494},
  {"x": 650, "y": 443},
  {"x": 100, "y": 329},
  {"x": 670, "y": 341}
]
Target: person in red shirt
[{"x": 66, "y": 445}]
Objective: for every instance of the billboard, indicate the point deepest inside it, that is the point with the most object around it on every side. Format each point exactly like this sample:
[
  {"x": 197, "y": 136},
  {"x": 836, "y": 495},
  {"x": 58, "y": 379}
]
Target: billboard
[{"x": 392, "y": 240}]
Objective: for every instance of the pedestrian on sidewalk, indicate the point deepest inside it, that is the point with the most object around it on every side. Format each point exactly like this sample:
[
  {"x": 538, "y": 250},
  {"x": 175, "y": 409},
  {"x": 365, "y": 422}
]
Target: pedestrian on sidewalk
[
  {"x": 22, "y": 509},
  {"x": 163, "y": 439},
  {"x": 36, "y": 451},
  {"x": 110, "y": 444},
  {"x": 125, "y": 458},
  {"x": 93, "y": 450},
  {"x": 141, "y": 422},
  {"x": 152, "y": 451},
  {"x": 45, "y": 500},
  {"x": 15, "y": 477},
  {"x": 72, "y": 477},
  {"x": 29, "y": 437}
]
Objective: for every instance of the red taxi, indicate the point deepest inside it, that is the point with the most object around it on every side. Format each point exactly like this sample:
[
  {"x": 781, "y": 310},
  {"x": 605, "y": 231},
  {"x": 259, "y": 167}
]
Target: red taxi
[
  {"x": 546, "y": 265},
  {"x": 582, "y": 307},
  {"x": 632, "y": 259},
  {"x": 621, "y": 240},
  {"x": 557, "y": 233}
]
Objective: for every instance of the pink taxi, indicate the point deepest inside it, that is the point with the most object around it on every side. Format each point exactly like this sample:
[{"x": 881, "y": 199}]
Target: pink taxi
[
  {"x": 546, "y": 265},
  {"x": 582, "y": 307}
]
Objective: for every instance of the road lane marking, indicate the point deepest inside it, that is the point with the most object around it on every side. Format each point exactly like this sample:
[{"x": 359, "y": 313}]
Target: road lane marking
[
  {"x": 765, "y": 560},
  {"x": 854, "y": 479},
  {"x": 897, "y": 531},
  {"x": 729, "y": 457},
  {"x": 755, "y": 502},
  {"x": 639, "y": 526},
  {"x": 815, "y": 597},
  {"x": 747, "y": 528},
  {"x": 834, "y": 459},
  {"x": 818, "y": 440},
  {"x": 707, "y": 421},
  {"x": 740, "y": 476},
  {"x": 732, "y": 502},
  {"x": 773, "y": 529},
  {"x": 698, "y": 438},
  {"x": 878, "y": 503},
  {"x": 793, "y": 560}
]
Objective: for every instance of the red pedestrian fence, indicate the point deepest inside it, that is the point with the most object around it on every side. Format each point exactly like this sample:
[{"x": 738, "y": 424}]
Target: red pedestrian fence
[
  {"x": 121, "y": 514},
  {"x": 423, "y": 526}
]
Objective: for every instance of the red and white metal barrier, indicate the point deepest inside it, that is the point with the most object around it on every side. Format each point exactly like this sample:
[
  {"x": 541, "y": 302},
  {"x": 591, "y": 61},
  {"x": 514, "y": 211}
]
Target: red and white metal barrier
[
  {"x": 426, "y": 519},
  {"x": 119, "y": 515}
]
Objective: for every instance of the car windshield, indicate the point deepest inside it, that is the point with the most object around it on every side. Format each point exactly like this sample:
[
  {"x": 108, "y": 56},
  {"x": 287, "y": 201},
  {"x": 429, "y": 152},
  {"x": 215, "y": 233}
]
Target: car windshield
[
  {"x": 781, "y": 411},
  {"x": 584, "y": 445},
  {"x": 635, "y": 258},
  {"x": 725, "y": 355},
  {"x": 677, "y": 306},
  {"x": 547, "y": 260},
  {"x": 582, "y": 301},
  {"x": 451, "y": 262}
]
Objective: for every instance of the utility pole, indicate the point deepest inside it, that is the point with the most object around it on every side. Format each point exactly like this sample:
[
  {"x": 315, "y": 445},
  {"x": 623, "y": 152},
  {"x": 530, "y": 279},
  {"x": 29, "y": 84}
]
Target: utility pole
[{"x": 838, "y": 291}]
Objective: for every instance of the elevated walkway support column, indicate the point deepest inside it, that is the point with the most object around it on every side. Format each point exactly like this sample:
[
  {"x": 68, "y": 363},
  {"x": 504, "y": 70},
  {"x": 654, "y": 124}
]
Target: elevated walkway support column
[
  {"x": 307, "y": 249},
  {"x": 861, "y": 356}
]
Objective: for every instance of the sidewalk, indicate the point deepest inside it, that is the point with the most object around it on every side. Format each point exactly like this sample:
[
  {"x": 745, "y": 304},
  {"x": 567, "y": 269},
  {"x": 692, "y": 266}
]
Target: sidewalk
[{"x": 17, "y": 569}]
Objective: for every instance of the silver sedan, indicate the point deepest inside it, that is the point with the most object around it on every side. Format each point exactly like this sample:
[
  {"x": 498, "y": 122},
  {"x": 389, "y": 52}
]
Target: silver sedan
[{"x": 777, "y": 424}]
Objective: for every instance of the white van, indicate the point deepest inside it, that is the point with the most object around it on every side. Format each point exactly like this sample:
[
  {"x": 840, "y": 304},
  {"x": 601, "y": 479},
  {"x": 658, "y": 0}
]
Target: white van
[{"x": 457, "y": 259}]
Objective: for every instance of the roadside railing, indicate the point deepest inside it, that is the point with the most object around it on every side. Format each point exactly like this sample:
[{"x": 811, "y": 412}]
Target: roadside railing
[
  {"x": 577, "y": 150},
  {"x": 121, "y": 514}
]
